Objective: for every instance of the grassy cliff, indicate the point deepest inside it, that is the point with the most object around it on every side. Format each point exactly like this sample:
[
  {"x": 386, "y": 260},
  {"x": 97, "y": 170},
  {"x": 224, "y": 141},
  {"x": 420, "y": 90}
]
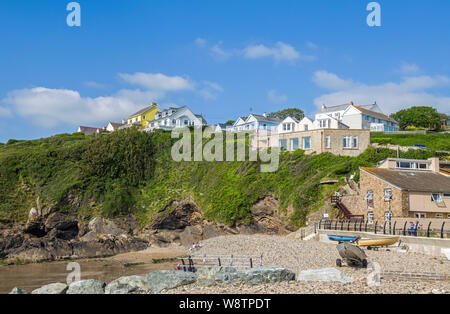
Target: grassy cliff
[{"x": 131, "y": 172}]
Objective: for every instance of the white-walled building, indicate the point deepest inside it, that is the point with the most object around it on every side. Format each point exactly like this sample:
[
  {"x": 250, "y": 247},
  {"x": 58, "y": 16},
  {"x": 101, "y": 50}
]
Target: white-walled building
[
  {"x": 255, "y": 122},
  {"x": 366, "y": 117},
  {"x": 174, "y": 118}
]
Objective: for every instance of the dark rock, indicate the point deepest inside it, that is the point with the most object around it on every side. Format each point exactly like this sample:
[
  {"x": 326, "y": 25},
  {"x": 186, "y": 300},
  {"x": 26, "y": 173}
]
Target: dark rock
[
  {"x": 169, "y": 279},
  {"x": 66, "y": 226},
  {"x": 178, "y": 215}
]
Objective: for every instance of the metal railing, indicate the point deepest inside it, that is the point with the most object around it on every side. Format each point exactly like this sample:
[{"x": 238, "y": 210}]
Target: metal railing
[
  {"x": 384, "y": 227},
  {"x": 192, "y": 262}
]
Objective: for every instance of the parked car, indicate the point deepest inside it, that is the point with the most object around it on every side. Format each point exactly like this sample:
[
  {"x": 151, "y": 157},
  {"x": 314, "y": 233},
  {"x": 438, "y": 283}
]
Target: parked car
[{"x": 420, "y": 146}]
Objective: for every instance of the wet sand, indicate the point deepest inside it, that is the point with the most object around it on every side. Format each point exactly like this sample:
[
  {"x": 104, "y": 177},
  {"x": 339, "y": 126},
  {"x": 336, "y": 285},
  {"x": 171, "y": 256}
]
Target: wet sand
[{"x": 32, "y": 276}]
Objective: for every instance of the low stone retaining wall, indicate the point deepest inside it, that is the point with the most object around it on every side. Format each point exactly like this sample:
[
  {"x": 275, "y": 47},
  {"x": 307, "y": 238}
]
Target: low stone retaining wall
[{"x": 431, "y": 246}]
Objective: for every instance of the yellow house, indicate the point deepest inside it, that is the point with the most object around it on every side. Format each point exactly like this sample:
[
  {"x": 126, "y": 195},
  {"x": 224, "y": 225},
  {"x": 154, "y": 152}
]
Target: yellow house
[{"x": 142, "y": 117}]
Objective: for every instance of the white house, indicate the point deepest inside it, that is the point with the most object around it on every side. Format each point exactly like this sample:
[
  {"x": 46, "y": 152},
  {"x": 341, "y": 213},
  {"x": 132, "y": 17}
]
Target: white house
[
  {"x": 288, "y": 125},
  {"x": 238, "y": 124},
  {"x": 88, "y": 130},
  {"x": 366, "y": 117},
  {"x": 221, "y": 127},
  {"x": 174, "y": 118},
  {"x": 324, "y": 121},
  {"x": 113, "y": 126},
  {"x": 256, "y": 122}
]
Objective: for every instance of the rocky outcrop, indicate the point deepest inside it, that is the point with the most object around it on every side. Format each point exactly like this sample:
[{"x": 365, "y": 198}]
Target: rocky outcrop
[
  {"x": 266, "y": 217},
  {"x": 169, "y": 279},
  {"x": 89, "y": 286},
  {"x": 59, "y": 236}
]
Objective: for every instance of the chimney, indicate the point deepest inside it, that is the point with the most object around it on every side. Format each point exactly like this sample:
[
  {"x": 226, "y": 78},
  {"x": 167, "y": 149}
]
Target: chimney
[
  {"x": 351, "y": 103},
  {"x": 324, "y": 107},
  {"x": 154, "y": 104},
  {"x": 434, "y": 166}
]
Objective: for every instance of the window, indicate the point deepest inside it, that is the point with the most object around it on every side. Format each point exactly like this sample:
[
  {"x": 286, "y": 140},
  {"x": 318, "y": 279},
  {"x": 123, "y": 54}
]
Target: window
[
  {"x": 367, "y": 118},
  {"x": 369, "y": 198},
  {"x": 286, "y": 126},
  {"x": 323, "y": 124},
  {"x": 143, "y": 117},
  {"x": 174, "y": 122},
  {"x": 346, "y": 142},
  {"x": 436, "y": 198},
  {"x": 186, "y": 122},
  {"x": 283, "y": 145},
  {"x": 387, "y": 195},
  {"x": 370, "y": 217},
  {"x": 306, "y": 142},
  {"x": 420, "y": 215},
  {"x": 355, "y": 142},
  {"x": 327, "y": 141},
  {"x": 294, "y": 143},
  {"x": 446, "y": 195},
  {"x": 306, "y": 127},
  {"x": 439, "y": 216}
]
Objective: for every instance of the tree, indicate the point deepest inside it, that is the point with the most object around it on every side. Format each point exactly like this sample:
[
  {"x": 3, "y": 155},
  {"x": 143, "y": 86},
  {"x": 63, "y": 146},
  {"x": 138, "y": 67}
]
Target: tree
[
  {"x": 229, "y": 122},
  {"x": 290, "y": 112},
  {"x": 420, "y": 117}
]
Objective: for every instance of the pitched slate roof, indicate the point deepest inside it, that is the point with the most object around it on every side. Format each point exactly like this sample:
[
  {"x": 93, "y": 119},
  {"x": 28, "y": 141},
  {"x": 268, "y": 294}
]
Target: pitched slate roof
[
  {"x": 263, "y": 118},
  {"x": 141, "y": 111},
  {"x": 419, "y": 181},
  {"x": 335, "y": 108},
  {"x": 375, "y": 114},
  {"x": 116, "y": 125}
]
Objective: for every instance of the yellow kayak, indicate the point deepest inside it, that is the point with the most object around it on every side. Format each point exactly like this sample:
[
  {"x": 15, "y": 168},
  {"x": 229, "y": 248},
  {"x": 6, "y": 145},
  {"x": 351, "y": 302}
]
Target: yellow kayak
[{"x": 378, "y": 242}]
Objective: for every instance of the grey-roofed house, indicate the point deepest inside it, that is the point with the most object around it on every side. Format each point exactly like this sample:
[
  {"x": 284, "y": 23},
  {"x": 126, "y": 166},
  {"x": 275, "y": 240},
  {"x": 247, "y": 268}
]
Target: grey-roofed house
[
  {"x": 87, "y": 130},
  {"x": 399, "y": 188}
]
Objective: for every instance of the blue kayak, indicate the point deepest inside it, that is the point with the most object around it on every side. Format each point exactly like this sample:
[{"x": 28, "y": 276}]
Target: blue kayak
[{"x": 342, "y": 238}]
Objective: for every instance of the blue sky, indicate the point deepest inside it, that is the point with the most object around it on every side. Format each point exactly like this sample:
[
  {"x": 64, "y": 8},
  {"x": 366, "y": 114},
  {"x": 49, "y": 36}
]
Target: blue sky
[{"x": 220, "y": 58}]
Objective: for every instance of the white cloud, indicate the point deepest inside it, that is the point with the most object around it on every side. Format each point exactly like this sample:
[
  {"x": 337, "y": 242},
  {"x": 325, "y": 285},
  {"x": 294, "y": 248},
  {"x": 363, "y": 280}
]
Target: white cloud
[
  {"x": 280, "y": 52},
  {"x": 200, "y": 42},
  {"x": 276, "y": 98},
  {"x": 408, "y": 68},
  {"x": 50, "y": 107},
  {"x": 330, "y": 81},
  {"x": 210, "y": 90},
  {"x": 411, "y": 91},
  {"x": 311, "y": 45},
  {"x": 158, "y": 81},
  {"x": 220, "y": 53}
]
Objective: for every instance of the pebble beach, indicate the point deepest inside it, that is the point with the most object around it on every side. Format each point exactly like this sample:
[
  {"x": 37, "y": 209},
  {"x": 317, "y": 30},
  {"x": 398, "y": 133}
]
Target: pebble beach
[{"x": 297, "y": 255}]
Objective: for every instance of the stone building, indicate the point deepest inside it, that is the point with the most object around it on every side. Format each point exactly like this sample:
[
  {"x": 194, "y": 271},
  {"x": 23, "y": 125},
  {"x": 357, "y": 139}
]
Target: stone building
[
  {"x": 344, "y": 142},
  {"x": 400, "y": 188}
]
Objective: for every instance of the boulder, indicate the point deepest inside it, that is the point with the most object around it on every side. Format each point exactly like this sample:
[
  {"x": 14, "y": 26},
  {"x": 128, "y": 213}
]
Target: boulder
[
  {"x": 18, "y": 291},
  {"x": 63, "y": 226},
  {"x": 89, "y": 286},
  {"x": 216, "y": 275},
  {"x": 169, "y": 279},
  {"x": 130, "y": 284},
  {"x": 266, "y": 274},
  {"x": 54, "y": 288},
  {"x": 324, "y": 274},
  {"x": 105, "y": 226}
]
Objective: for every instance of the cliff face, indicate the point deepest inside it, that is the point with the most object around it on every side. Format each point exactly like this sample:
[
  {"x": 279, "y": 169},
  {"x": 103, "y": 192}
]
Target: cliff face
[{"x": 51, "y": 190}]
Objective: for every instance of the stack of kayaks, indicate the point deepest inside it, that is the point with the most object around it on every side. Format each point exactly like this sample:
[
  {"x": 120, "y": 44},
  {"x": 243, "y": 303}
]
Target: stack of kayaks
[{"x": 365, "y": 242}]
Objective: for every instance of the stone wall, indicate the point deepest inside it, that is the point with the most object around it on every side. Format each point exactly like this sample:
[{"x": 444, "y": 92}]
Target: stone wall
[{"x": 398, "y": 205}]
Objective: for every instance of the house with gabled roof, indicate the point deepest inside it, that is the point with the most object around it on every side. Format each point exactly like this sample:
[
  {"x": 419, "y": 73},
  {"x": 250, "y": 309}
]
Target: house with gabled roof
[
  {"x": 88, "y": 130},
  {"x": 364, "y": 117},
  {"x": 143, "y": 116},
  {"x": 113, "y": 126},
  {"x": 175, "y": 117},
  {"x": 399, "y": 188}
]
